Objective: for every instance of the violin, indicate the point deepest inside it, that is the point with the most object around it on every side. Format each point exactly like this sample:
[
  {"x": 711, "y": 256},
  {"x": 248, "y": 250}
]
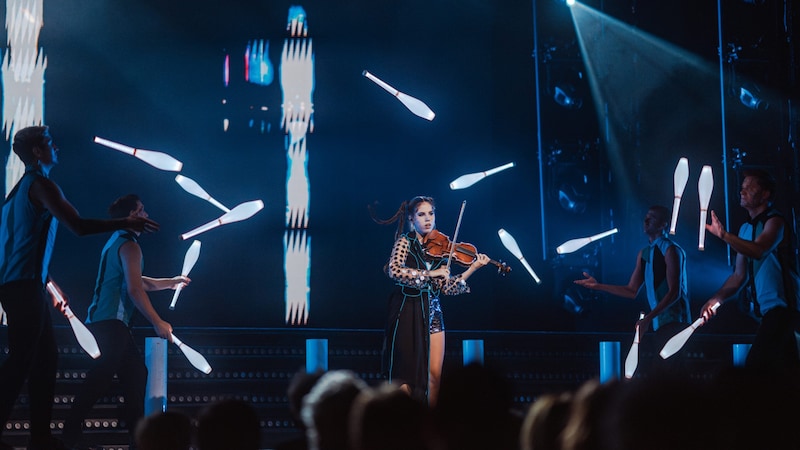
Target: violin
[{"x": 439, "y": 245}]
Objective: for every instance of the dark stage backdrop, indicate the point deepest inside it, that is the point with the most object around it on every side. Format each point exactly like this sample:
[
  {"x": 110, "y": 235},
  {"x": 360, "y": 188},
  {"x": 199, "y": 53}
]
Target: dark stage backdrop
[{"x": 150, "y": 74}]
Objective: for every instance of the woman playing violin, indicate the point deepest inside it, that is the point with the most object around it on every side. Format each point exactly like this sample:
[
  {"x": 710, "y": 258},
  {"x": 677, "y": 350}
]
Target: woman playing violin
[{"x": 413, "y": 348}]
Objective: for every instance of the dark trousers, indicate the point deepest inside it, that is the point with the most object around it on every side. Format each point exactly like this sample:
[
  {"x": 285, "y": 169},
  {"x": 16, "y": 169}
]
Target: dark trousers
[
  {"x": 32, "y": 354},
  {"x": 775, "y": 345},
  {"x": 118, "y": 355}
]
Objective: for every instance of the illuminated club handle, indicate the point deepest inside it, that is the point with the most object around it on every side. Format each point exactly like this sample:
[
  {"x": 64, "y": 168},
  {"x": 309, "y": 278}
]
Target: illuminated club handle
[
  {"x": 158, "y": 160},
  {"x": 189, "y": 261},
  {"x": 677, "y": 342},
  {"x": 511, "y": 245},
  {"x": 381, "y": 83},
  {"x": 680, "y": 178},
  {"x": 414, "y": 105},
  {"x": 632, "y": 361},
  {"x": 465, "y": 181},
  {"x": 704, "y": 187},
  {"x": 191, "y": 186},
  {"x": 194, "y": 357},
  {"x": 85, "y": 337},
  {"x": 576, "y": 244},
  {"x": 240, "y": 212}
]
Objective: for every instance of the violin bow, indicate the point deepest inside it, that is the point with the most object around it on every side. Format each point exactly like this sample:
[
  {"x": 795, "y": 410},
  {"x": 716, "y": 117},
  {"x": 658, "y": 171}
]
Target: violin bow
[{"x": 455, "y": 235}]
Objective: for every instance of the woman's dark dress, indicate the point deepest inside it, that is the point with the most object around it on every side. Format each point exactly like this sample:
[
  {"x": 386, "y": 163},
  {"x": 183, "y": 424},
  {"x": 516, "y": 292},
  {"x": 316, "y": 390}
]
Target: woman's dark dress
[{"x": 405, "y": 345}]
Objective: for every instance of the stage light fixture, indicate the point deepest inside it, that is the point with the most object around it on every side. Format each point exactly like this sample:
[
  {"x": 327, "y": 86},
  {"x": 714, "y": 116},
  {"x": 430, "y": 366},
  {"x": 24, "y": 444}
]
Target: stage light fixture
[
  {"x": 750, "y": 96},
  {"x": 570, "y": 200},
  {"x": 571, "y": 187},
  {"x": 565, "y": 95},
  {"x": 571, "y": 305}
]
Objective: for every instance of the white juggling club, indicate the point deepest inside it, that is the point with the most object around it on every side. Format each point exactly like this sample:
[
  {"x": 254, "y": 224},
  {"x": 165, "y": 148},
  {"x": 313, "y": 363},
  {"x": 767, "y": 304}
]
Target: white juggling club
[
  {"x": 85, "y": 337},
  {"x": 511, "y": 245},
  {"x": 194, "y": 357},
  {"x": 414, "y": 105},
  {"x": 465, "y": 181},
  {"x": 240, "y": 212},
  {"x": 576, "y": 244},
  {"x": 632, "y": 359},
  {"x": 679, "y": 180},
  {"x": 677, "y": 342},
  {"x": 191, "y": 186},
  {"x": 188, "y": 263},
  {"x": 704, "y": 187},
  {"x": 158, "y": 160}
]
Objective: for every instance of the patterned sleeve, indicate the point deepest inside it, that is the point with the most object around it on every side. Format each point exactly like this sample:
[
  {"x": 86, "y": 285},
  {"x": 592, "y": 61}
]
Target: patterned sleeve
[
  {"x": 452, "y": 286},
  {"x": 399, "y": 272}
]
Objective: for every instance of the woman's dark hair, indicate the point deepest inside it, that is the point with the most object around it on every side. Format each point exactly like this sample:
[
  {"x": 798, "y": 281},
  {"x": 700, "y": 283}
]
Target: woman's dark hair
[{"x": 401, "y": 216}]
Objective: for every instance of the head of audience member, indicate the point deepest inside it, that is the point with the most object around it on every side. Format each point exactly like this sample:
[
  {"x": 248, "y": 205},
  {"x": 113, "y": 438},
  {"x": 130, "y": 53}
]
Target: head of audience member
[
  {"x": 326, "y": 409},
  {"x": 474, "y": 410},
  {"x": 387, "y": 418},
  {"x": 663, "y": 411},
  {"x": 544, "y": 421},
  {"x": 168, "y": 430},
  {"x": 586, "y": 424},
  {"x": 299, "y": 386},
  {"x": 228, "y": 424}
]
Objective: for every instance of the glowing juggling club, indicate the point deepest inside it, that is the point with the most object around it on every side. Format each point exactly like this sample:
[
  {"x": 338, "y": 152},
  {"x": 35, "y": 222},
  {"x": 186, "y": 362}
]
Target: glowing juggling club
[
  {"x": 82, "y": 334},
  {"x": 633, "y": 354},
  {"x": 704, "y": 187},
  {"x": 194, "y": 357},
  {"x": 191, "y": 186},
  {"x": 240, "y": 212},
  {"x": 679, "y": 179},
  {"x": 156, "y": 159},
  {"x": 414, "y": 105},
  {"x": 465, "y": 181},
  {"x": 511, "y": 245},
  {"x": 188, "y": 262},
  {"x": 676, "y": 342},
  {"x": 576, "y": 244}
]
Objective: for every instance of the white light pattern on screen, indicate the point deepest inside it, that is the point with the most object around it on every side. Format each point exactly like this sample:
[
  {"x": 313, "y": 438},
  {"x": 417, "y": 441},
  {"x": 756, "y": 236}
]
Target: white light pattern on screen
[
  {"x": 297, "y": 86},
  {"x": 23, "y": 76},
  {"x": 297, "y": 250},
  {"x": 297, "y": 81},
  {"x": 297, "y": 186},
  {"x": 23, "y": 81}
]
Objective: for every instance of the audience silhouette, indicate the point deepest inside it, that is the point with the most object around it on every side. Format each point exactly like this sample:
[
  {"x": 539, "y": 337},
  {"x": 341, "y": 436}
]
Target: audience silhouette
[
  {"x": 474, "y": 411},
  {"x": 326, "y": 409},
  {"x": 387, "y": 418},
  {"x": 168, "y": 430},
  {"x": 228, "y": 424},
  {"x": 545, "y": 421}
]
